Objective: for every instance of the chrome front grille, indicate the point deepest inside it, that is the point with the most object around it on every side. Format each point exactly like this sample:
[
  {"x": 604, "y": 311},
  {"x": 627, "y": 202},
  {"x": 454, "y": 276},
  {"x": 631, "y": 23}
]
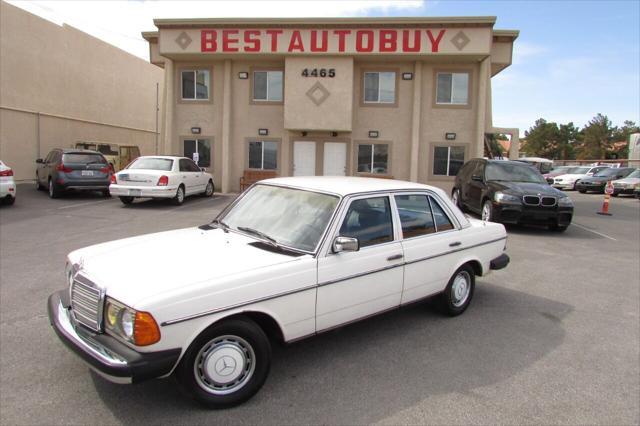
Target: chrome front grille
[
  {"x": 87, "y": 302},
  {"x": 535, "y": 200}
]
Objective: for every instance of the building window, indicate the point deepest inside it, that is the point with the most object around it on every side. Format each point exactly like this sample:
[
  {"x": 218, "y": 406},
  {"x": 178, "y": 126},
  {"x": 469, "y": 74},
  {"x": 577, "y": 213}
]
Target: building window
[
  {"x": 447, "y": 160},
  {"x": 373, "y": 158},
  {"x": 263, "y": 155},
  {"x": 380, "y": 87},
  {"x": 195, "y": 84},
  {"x": 199, "y": 150},
  {"x": 453, "y": 88},
  {"x": 267, "y": 86}
]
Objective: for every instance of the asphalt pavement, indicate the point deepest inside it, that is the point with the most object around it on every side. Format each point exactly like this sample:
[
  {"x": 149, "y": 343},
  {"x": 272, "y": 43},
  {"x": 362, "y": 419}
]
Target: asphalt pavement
[{"x": 552, "y": 339}]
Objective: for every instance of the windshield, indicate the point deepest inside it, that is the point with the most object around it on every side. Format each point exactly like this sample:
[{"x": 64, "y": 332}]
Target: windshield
[
  {"x": 512, "y": 172},
  {"x": 291, "y": 217},
  {"x": 606, "y": 172},
  {"x": 579, "y": 171},
  {"x": 635, "y": 174},
  {"x": 164, "y": 164}
]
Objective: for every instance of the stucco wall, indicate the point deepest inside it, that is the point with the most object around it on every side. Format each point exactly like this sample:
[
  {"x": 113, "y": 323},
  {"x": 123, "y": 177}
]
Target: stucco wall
[{"x": 83, "y": 88}]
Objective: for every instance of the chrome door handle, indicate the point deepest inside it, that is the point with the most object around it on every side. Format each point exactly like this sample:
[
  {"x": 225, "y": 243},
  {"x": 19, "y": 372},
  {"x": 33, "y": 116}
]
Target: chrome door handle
[
  {"x": 394, "y": 257},
  {"x": 457, "y": 243}
]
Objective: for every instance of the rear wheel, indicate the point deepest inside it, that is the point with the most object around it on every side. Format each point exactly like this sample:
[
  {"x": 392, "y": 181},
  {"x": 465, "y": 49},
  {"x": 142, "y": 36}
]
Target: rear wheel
[
  {"x": 179, "y": 198},
  {"x": 9, "y": 200},
  {"x": 126, "y": 200},
  {"x": 54, "y": 191},
  {"x": 457, "y": 296},
  {"x": 226, "y": 365}
]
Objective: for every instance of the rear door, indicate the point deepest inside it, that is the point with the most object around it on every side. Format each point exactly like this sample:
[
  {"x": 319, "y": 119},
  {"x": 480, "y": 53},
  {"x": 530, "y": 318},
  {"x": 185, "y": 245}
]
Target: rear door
[
  {"x": 189, "y": 177},
  {"x": 476, "y": 188}
]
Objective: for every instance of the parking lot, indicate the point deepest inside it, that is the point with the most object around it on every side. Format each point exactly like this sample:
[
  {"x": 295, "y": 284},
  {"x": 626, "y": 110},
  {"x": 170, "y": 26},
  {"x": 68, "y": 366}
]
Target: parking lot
[{"x": 553, "y": 338}]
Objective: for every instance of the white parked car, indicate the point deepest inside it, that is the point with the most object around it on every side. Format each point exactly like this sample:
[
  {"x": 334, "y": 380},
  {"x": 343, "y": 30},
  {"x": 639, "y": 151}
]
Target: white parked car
[
  {"x": 7, "y": 185},
  {"x": 626, "y": 185},
  {"x": 569, "y": 180},
  {"x": 289, "y": 258},
  {"x": 161, "y": 176}
]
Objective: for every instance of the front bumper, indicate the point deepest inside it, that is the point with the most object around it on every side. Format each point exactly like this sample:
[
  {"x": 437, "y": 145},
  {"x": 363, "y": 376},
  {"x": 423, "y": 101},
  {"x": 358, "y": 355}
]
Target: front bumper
[
  {"x": 521, "y": 214},
  {"x": 620, "y": 190},
  {"x": 586, "y": 186},
  {"x": 143, "y": 191},
  {"x": 104, "y": 354},
  {"x": 564, "y": 185}
]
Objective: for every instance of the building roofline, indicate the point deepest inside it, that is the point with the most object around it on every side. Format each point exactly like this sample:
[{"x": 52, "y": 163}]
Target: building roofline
[
  {"x": 150, "y": 35},
  {"x": 512, "y": 34},
  {"x": 309, "y": 22}
]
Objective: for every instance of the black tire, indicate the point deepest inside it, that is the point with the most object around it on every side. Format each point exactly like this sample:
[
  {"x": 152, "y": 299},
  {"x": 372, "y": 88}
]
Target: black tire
[
  {"x": 208, "y": 192},
  {"x": 455, "y": 197},
  {"x": 487, "y": 206},
  {"x": 582, "y": 191},
  {"x": 557, "y": 228},
  {"x": 106, "y": 193},
  {"x": 9, "y": 200},
  {"x": 54, "y": 191},
  {"x": 248, "y": 341},
  {"x": 615, "y": 195},
  {"x": 448, "y": 298},
  {"x": 126, "y": 200},
  {"x": 38, "y": 184},
  {"x": 179, "y": 199}
]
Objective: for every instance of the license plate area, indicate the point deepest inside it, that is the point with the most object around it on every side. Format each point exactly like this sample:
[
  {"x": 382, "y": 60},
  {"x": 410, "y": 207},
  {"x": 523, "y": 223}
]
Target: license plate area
[
  {"x": 134, "y": 192},
  {"x": 87, "y": 173}
]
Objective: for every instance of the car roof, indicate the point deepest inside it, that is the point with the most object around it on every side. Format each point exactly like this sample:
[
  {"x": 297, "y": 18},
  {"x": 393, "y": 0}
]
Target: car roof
[
  {"x": 166, "y": 157},
  {"x": 77, "y": 151},
  {"x": 346, "y": 185}
]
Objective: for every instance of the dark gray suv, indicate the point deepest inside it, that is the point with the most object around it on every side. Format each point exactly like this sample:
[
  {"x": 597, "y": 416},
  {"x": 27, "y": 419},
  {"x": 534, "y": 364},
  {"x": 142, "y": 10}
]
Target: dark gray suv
[{"x": 73, "y": 169}]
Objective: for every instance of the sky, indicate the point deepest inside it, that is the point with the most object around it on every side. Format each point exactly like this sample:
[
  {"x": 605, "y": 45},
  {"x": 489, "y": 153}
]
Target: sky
[{"x": 572, "y": 60}]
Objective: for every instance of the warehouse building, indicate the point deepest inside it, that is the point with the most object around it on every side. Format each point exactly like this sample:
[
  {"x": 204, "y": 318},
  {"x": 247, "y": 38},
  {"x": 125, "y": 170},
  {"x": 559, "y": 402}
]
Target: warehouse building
[
  {"x": 408, "y": 98},
  {"x": 60, "y": 86}
]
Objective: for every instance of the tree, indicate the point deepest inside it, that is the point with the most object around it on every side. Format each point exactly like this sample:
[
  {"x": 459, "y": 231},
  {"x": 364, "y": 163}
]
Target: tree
[
  {"x": 598, "y": 137},
  {"x": 568, "y": 136},
  {"x": 542, "y": 139}
]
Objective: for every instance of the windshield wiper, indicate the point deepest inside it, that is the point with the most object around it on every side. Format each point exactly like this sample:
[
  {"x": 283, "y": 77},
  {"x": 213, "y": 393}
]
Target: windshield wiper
[{"x": 259, "y": 234}]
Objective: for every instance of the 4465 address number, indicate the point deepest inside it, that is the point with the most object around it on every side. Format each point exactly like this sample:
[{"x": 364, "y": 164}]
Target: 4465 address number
[{"x": 322, "y": 72}]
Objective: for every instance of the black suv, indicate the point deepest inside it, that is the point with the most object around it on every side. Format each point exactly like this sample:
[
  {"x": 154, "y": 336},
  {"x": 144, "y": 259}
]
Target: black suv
[
  {"x": 510, "y": 192},
  {"x": 73, "y": 169}
]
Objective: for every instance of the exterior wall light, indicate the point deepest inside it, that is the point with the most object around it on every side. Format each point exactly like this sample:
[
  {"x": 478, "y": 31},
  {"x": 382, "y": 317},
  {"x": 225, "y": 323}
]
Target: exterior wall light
[
  {"x": 243, "y": 75},
  {"x": 195, "y": 130},
  {"x": 450, "y": 136},
  {"x": 373, "y": 133},
  {"x": 334, "y": 134},
  {"x": 263, "y": 132},
  {"x": 407, "y": 76}
]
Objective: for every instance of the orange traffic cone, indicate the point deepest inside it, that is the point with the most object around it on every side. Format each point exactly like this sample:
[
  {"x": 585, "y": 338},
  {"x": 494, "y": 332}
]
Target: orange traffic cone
[{"x": 608, "y": 190}]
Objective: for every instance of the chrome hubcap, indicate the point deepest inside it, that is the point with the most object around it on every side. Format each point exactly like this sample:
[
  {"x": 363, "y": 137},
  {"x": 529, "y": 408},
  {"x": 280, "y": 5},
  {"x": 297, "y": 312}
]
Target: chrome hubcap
[
  {"x": 209, "y": 189},
  {"x": 180, "y": 195},
  {"x": 51, "y": 188},
  {"x": 486, "y": 211},
  {"x": 224, "y": 365},
  {"x": 460, "y": 289}
]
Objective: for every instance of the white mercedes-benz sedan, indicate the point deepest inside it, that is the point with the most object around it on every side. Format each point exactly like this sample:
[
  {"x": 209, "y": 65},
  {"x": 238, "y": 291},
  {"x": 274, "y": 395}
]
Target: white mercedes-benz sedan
[
  {"x": 289, "y": 258},
  {"x": 161, "y": 176}
]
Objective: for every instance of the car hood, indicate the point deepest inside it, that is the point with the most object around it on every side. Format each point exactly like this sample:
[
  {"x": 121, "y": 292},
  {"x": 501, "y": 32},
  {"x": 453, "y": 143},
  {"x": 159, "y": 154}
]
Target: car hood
[
  {"x": 627, "y": 180},
  {"x": 525, "y": 188},
  {"x": 136, "y": 268}
]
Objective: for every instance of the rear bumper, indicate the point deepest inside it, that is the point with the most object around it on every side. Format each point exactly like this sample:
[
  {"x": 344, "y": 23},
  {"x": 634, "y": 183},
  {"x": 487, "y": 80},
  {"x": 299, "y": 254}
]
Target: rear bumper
[
  {"x": 499, "y": 262},
  {"x": 105, "y": 355},
  {"x": 143, "y": 191},
  {"x": 7, "y": 188},
  {"x": 78, "y": 185}
]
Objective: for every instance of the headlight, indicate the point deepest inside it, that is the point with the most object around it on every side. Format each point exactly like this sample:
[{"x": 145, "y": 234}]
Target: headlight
[
  {"x": 501, "y": 197},
  {"x": 139, "y": 328},
  {"x": 565, "y": 202},
  {"x": 629, "y": 185}
]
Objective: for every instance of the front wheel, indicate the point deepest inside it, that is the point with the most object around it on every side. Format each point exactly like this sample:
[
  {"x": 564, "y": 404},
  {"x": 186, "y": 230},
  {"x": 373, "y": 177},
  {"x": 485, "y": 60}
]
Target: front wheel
[
  {"x": 557, "y": 228},
  {"x": 457, "y": 295},
  {"x": 226, "y": 365},
  {"x": 487, "y": 211},
  {"x": 582, "y": 191},
  {"x": 208, "y": 191}
]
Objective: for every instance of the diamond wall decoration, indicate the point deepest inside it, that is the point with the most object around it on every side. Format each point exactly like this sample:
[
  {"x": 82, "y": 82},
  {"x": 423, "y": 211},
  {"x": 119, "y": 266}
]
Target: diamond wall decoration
[
  {"x": 318, "y": 93},
  {"x": 183, "y": 40},
  {"x": 460, "y": 40}
]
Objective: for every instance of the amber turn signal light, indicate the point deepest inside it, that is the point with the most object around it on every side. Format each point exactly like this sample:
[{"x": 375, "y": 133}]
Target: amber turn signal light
[{"x": 146, "y": 331}]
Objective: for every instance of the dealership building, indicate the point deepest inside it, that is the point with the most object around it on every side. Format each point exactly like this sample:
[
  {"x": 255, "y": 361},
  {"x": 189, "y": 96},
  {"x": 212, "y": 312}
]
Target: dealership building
[{"x": 403, "y": 98}]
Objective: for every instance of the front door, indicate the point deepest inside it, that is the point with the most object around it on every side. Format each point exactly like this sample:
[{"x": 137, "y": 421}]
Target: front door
[
  {"x": 356, "y": 284},
  {"x": 198, "y": 150},
  {"x": 304, "y": 158},
  {"x": 335, "y": 159}
]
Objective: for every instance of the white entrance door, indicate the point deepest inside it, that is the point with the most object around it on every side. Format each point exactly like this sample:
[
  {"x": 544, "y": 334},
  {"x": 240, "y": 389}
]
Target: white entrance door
[
  {"x": 335, "y": 159},
  {"x": 304, "y": 158}
]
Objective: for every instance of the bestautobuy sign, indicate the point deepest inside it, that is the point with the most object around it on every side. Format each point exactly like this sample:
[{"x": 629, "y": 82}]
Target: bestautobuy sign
[{"x": 381, "y": 41}]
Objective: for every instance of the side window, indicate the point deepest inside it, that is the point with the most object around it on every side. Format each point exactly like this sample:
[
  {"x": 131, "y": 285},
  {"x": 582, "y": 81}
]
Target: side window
[
  {"x": 183, "y": 165},
  {"x": 369, "y": 220},
  {"x": 478, "y": 170},
  {"x": 467, "y": 170},
  {"x": 443, "y": 223},
  {"x": 192, "y": 167},
  {"x": 415, "y": 215},
  {"x": 49, "y": 157}
]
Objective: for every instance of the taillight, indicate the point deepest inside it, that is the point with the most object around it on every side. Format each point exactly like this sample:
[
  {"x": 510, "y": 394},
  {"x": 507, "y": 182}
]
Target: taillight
[
  {"x": 8, "y": 172},
  {"x": 106, "y": 169},
  {"x": 62, "y": 168},
  {"x": 114, "y": 180},
  {"x": 163, "y": 181}
]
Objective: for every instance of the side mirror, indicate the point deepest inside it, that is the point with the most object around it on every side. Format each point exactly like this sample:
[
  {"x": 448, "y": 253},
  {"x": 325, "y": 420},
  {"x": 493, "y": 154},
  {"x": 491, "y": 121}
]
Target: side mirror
[
  {"x": 477, "y": 178},
  {"x": 40, "y": 161},
  {"x": 341, "y": 244},
  {"x": 203, "y": 169}
]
